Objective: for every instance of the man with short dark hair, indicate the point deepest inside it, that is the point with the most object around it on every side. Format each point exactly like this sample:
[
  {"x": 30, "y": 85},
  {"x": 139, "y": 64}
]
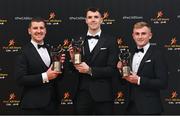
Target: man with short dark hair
[
  {"x": 94, "y": 94},
  {"x": 34, "y": 74}
]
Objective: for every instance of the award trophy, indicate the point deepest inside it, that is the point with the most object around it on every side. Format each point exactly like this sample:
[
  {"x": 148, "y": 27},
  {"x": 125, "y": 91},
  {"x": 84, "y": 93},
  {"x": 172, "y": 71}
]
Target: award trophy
[
  {"x": 56, "y": 54},
  {"x": 124, "y": 57},
  {"x": 78, "y": 48}
]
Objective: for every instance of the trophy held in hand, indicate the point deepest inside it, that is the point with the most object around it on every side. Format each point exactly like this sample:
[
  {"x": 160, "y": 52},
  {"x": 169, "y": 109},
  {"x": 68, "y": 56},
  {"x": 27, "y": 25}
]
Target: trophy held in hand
[
  {"x": 78, "y": 49},
  {"x": 124, "y": 57},
  {"x": 56, "y": 54}
]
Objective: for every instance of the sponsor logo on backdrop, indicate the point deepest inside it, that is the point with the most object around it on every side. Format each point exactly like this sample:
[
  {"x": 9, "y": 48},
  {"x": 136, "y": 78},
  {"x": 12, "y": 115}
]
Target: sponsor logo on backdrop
[
  {"x": 3, "y": 21},
  {"x": 121, "y": 43},
  {"x": 173, "y": 98},
  {"x": 11, "y": 100},
  {"x": 77, "y": 18},
  {"x": 160, "y": 18},
  {"x": 11, "y": 47},
  {"x": 132, "y": 17},
  {"x": 119, "y": 98},
  {"x": 53, "y": 19},
  {"x": 22, "y": 18},
  {"x": 3, "y": 75},
  {"x": 172, "y": 45},
  {"x": 66, "y": 99},
  {"x": 106, "y": 19}
]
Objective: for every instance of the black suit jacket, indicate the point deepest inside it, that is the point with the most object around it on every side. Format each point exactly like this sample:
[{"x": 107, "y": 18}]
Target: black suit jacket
[
  {"x": 29, "y": 66},
  {"x": 154, "y": 77},
  {"x": 102, "y": 60}
]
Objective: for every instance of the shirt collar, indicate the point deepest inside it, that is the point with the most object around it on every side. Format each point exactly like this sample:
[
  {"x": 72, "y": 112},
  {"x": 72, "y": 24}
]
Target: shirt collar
[
  {"x": 98, "y": 33},
  {"x": 36, "y": 44},
  {"x": 146, "y": 47}
]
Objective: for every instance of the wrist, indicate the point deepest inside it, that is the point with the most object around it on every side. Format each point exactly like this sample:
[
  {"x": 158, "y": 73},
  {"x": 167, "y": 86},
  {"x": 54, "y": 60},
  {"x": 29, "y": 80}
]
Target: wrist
[{"x": 90, "y": 71}]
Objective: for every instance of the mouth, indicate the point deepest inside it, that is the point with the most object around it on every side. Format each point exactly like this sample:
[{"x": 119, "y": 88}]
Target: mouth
[{"x": 39, "y": 34}]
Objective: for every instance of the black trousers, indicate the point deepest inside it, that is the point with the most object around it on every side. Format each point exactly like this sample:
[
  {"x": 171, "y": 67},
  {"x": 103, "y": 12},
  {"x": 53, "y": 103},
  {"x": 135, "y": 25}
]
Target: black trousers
[
  {"x": 85, "y": 104},
  {"x": 132, "y": 110},
  {"x": 51, "y": 109}
]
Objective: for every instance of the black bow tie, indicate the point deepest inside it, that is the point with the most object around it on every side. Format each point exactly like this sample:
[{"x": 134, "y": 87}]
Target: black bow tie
[
  {"x": 43, "y": 46},
  {"x": 94, "y": 37},
  {"x": 139, "y": 50}
]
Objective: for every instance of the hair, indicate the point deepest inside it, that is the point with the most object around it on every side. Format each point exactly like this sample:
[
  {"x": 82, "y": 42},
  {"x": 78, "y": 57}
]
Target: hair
[
  {"x": 93, "y": 9},
  {"x": 37, "y": 19},
  {"x": 141, "y": 24}
]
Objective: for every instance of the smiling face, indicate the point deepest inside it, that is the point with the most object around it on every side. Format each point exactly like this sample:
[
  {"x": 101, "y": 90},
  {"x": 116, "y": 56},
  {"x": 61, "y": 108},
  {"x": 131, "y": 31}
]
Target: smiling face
[
  {"x": 37, "y": 30},
  {"x": 93, "y": 20},
  {"x": 141, "y": 35}
]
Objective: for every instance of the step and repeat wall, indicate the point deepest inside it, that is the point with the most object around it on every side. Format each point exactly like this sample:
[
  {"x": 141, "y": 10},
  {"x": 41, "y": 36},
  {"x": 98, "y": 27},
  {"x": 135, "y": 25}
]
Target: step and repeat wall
[{"x": 66, "y": 19}]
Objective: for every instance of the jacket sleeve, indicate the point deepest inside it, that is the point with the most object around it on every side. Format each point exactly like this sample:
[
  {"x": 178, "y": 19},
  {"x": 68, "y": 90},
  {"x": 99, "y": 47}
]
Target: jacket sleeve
[{"x": 22, "y": 75}]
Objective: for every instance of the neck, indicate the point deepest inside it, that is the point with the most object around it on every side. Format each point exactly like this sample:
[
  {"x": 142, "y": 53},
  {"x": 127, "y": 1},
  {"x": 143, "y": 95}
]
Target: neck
[
  {"x": 93, "y": 32},
  {"x": 142, "y": 45},
  {"x": 38, "y": 42}
]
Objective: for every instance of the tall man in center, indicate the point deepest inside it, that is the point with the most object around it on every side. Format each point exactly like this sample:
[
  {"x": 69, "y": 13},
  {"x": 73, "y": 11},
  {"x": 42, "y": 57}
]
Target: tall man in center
[{"x": 94, "y": 95}]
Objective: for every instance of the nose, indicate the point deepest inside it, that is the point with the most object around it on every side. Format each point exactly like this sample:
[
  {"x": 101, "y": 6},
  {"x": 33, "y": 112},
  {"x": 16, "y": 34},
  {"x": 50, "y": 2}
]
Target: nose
[
  {"x": 93, "y": 18},
  {"x": 39, "y": 30},
  {"x": 140, "y": 36}
]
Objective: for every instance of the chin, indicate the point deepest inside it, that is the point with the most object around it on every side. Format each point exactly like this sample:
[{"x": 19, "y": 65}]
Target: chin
[{"x": 140, "y": 45}]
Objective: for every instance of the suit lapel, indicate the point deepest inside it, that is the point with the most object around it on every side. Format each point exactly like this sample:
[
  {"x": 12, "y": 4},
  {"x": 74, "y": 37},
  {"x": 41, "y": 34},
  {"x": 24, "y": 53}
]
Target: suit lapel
[
  {"x": 146, "y": 56},
  {"x": 49, "y": 52},
  {"x": 86, "y": 47},
  {"x": 133, "y": 52},
  {"x": 96, "y": 49},
  {"x": 37, "y": 56}
]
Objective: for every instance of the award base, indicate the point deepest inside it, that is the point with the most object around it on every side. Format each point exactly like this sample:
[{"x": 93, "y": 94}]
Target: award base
[
  {"x": 126, "y": 71},
  {"x": 77, "y": 58},
  {"x": 56, "y": 66}
]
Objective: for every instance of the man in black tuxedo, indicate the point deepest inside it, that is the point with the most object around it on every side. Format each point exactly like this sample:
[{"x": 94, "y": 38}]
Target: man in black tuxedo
[
  {"x": 149, "y": 73},
  {"x": 94, "y": 94},
  {"x": 34, "y": 74}
]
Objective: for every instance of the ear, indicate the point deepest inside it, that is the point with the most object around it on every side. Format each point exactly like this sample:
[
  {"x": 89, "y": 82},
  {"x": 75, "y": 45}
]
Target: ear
[
  {"x": 86, "y": 20},
  {"x": 45, "y": 31},
  {"x": 29, "y": 31},
  {"x": 101, "y": 20},
  {"x": 150, "y": 36},
  {"x": 133, "y": 35}
]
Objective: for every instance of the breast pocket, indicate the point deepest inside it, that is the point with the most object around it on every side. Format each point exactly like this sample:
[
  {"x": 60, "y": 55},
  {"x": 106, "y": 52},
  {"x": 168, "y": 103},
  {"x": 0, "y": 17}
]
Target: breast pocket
[{"x": 103, "y": 52}]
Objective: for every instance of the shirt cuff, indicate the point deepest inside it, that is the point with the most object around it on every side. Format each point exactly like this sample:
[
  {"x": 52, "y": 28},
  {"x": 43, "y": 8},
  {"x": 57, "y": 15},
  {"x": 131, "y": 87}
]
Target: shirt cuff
[
  {"x": 45, "y": 77},
  {"x": 139, "y": 78}
]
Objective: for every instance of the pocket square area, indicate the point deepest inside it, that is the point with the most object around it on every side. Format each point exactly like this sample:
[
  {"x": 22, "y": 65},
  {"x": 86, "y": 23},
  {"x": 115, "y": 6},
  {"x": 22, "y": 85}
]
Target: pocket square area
[
  {"x": 148, "y": 61},
  {"x": 103, "y": 48}
]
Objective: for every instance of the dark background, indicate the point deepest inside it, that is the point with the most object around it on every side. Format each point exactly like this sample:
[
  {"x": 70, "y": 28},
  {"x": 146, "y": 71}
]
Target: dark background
[{"x": 69, "y": 22}]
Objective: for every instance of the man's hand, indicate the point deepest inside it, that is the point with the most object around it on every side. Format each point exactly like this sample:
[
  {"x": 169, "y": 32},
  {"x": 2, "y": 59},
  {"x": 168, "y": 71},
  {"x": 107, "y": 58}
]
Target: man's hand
[
  {"x": 62, "y": 58},
  {"x": 119, "y": 65},
  {"x": 82, "y": 68},
  {"x": 71, "y": 53},
  {"x": 133, "y": 78},
  {"x": 52, "y": 74}
]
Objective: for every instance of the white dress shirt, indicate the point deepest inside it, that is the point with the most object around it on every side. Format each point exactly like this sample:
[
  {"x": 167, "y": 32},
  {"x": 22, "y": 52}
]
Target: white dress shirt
[
  {"x": 137, "y": 58},
  {"x": 92, "y": 42},
  {"x": 45, "y": 57}
]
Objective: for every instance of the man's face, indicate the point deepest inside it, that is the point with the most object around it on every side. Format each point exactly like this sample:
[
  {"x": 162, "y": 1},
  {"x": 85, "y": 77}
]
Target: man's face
[
  {"x": 141, "y": 36},
  {"x": 93, "y": 20},
  {"x": 37, "y": 31}
]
